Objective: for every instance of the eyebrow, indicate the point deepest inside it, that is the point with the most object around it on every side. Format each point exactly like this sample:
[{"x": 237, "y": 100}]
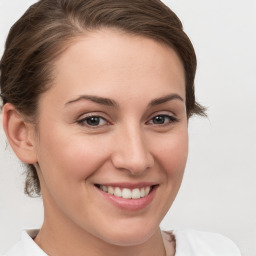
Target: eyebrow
[
  {"x": 111, "y": 103},
  {"x": 164, "y": 99},
  {"x": 96, "y": 99}
]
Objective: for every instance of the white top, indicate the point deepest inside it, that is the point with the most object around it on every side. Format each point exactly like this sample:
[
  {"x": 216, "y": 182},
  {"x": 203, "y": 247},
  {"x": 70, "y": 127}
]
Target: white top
[{"x": 188, "y": 243}]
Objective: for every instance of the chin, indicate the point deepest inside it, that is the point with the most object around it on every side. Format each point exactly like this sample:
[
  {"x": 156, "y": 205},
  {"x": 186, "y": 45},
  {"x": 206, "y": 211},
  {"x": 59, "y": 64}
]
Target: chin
[{"x": 129, "y": 236}]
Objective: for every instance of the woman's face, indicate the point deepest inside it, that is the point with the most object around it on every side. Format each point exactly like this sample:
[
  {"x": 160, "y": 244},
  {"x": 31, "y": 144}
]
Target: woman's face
[{"x": 113, "y": 120}]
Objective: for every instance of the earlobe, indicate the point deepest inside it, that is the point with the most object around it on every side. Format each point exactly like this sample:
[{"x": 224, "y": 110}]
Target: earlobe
[{"x": 19, "y": 134}]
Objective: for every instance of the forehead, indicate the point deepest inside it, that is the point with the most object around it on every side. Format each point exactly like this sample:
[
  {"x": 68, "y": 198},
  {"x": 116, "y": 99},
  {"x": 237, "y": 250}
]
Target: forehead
[{"x": 106, "y": 60}]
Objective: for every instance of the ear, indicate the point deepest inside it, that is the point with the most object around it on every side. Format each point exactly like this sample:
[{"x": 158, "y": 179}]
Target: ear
[{"x": 20, "y": 134}]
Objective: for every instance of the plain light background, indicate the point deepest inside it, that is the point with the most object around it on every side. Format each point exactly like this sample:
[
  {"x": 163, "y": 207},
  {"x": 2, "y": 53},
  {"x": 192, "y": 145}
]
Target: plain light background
[{"x": 218, "y": 193}]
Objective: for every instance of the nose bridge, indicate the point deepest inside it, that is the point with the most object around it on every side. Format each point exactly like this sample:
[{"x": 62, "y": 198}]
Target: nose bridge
[{"x": 131, "y": 150}]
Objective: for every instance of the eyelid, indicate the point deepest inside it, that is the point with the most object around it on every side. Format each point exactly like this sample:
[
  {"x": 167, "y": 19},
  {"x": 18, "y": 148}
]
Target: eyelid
[
  {"x": 82, "y": 120},
  {"x": 171, "y": 116},
  {"x": 92, "y": 114},
  {"x": 163, "y": 113}
]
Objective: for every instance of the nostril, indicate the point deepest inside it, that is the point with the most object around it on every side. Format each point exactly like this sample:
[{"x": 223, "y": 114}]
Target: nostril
[{"x": 132, "y": 153}]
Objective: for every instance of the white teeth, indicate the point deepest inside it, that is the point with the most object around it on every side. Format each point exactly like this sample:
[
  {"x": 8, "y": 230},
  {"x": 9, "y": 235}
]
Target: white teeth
[
  {"x": 110, "y": 190},
  {"x": 142, "y": 192},
  {"x": 135, "y": 193},
  {"x": 147, "y": 189},
  {"x": 118, "y": 192},
  {"x": 126, "y": 193}
]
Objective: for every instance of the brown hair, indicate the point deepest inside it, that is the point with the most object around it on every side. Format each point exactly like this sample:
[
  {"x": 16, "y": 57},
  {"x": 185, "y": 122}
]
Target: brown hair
[{"x": 45, "y": 30}]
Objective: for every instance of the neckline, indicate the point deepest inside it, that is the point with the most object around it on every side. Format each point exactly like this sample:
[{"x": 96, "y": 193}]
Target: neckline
[{"x": 169, "y": 240}]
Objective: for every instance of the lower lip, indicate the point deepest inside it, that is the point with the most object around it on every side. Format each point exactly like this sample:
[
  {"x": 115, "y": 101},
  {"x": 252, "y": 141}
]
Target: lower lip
[{"x": 130, "y": 204}]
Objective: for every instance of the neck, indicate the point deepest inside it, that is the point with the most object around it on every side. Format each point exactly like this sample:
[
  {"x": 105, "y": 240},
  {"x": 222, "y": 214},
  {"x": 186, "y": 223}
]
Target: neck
[
  {"x": 66, "y": 243},
  {"x": 60, "y": 236}
]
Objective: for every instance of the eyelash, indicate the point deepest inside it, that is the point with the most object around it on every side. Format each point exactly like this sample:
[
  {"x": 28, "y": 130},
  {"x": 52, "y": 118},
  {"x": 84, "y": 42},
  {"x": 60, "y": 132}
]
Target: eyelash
[
  {"x": 84, "y": 121},
  {"x": 171, "y": 119}
]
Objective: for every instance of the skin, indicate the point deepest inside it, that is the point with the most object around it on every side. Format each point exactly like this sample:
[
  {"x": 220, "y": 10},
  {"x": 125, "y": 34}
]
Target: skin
[{"x": 127, "y": 146}]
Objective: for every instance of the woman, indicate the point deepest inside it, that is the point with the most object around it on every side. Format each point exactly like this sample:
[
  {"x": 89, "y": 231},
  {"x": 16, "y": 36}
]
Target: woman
[{"x": 96, "y": 101}]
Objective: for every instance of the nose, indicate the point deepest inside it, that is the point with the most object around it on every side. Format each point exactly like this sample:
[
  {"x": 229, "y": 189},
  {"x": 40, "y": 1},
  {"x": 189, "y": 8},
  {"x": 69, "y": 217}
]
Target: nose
[{"x": 131, "y": 151}]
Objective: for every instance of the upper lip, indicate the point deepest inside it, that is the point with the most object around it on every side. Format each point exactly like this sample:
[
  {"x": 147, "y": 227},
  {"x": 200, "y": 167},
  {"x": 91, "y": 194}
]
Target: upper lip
[{"x": 129, "y": 185}]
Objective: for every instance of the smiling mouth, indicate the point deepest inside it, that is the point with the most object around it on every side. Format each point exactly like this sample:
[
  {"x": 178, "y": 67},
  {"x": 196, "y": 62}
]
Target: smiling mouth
[{"x": 126, "y": 193}]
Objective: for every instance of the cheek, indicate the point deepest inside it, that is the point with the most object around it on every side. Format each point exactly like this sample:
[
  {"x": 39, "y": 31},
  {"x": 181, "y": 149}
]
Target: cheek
[
  {"x": 66, "y": 162},
  {"x": 173, "y": 155},
  {"x": 69, "y": 158}
]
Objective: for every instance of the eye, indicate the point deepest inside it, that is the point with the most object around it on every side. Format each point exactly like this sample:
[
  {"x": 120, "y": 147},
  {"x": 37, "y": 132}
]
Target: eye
[
  {"x": 162, "y": 120},
  {"x": 93, "y": 121}
]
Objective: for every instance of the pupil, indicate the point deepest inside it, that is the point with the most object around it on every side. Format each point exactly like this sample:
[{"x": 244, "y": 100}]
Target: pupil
[
  {"x": 93, "y": 121},
  {"x": 159, "y": 120}
]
